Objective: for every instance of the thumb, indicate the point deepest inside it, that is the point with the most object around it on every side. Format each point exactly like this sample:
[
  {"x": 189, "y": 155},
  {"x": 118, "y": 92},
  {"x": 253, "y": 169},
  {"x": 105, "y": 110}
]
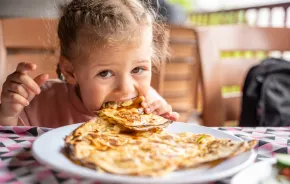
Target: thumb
[{"x": 40, "y": 79}]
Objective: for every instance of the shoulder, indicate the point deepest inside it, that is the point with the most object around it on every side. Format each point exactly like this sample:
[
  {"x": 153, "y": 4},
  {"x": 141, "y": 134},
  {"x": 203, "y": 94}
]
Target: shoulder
[
  {"x": 53, "y": 90},
  {"x": 54, "y": 84}
]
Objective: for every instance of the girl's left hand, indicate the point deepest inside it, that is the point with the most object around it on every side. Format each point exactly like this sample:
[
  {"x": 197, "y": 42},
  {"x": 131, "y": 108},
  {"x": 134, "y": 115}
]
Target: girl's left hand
[{"x": 155, "y": 104}]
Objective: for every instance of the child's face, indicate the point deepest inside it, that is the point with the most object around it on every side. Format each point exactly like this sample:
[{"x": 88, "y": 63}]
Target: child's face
[{"x": 115, "y": 73}]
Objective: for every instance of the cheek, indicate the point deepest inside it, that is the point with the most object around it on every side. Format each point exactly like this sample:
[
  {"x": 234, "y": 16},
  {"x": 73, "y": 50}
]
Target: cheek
[
  {"x": 93, "y": 95},
  {"x": 92, "y": 91},
  {"x": 144, "y": 85}
]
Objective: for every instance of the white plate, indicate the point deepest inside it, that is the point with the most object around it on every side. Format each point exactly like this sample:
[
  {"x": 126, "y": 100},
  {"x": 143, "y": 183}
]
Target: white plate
[
  {"x": 256, "y": 173},
  {"x": 47, "y": 150}
]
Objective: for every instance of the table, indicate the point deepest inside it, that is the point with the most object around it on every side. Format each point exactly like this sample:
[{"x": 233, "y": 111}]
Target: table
[{"x": 17, "y": 165}]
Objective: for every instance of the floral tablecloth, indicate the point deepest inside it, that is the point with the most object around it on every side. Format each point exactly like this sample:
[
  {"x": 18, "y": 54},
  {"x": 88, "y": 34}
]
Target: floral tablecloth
[{"x": 17, "y": 165}]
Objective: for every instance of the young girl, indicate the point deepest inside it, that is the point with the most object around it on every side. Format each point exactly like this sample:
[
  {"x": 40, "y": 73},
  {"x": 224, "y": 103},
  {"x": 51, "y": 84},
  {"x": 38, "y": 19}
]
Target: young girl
[{"x": 107, "y": 52}]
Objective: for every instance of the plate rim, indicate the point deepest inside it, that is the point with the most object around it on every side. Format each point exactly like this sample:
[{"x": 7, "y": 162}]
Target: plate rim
[
  {"x": 267, "y": 161},
  {"x": 120, "y": 178}
]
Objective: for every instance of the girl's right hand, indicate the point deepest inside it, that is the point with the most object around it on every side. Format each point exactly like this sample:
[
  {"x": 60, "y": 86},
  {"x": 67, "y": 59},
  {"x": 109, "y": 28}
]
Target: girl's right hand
[{"x": 19, "y": 89}]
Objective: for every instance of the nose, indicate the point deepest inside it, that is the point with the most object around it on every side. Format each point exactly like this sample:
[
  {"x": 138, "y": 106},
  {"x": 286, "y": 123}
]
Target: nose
[{"x": 125, "y": 87}]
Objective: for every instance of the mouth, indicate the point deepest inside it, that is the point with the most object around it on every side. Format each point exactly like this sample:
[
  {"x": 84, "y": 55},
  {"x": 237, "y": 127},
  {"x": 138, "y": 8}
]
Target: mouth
[
  {"x": 120, "y": 103},
  {"x": 116, "y": 103}
]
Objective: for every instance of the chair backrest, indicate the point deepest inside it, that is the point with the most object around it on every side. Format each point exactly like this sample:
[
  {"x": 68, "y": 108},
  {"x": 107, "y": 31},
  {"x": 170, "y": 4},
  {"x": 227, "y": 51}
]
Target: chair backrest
[
  {"x": 181, "y": 72},
  {"x": 28, "y": 40},
  {"x": 219, "y": 72}
]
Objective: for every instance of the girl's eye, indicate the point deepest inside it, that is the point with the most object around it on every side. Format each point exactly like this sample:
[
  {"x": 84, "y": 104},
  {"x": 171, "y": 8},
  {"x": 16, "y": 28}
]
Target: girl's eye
[
  {"x": 137, "y": 70},
  {"x": 105, "y": 74}
]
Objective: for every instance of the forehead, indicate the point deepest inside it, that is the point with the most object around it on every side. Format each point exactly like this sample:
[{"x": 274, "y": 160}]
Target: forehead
[{"x": 137, "y": 46}]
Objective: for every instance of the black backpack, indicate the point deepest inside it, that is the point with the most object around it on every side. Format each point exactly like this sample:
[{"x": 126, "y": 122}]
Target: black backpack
[{"x": 266, "y": 95}]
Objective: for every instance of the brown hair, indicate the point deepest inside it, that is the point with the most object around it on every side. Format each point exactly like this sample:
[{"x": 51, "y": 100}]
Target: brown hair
[{"x": 106, "y": 22}]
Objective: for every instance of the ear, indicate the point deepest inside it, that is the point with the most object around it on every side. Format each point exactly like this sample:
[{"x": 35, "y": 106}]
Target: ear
[{"x": 67, "y": 70}]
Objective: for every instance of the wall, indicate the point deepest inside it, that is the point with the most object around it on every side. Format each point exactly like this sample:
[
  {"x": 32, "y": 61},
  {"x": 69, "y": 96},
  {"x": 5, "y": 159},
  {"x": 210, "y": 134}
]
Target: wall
[{"x": 29, "y": 8}]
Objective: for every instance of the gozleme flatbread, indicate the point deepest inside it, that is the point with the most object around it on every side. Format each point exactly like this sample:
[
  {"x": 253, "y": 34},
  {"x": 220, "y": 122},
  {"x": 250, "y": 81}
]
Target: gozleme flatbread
[
  {"x": 217, "y": 151},
  {"x": 151, "y": 153},
  {"x": 142, "y": 158},
  {"x": 156, "y": 159},
  {"x": 131, "y": 115},
  {"x": 130, "y": 145},
  {"x": 155, "y": 156}
]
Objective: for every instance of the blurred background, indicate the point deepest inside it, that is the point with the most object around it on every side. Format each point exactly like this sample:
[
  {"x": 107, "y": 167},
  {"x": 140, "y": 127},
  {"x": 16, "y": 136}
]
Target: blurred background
[
  {"x": 207, "y": 11},
  {"x": 202, "y": 33}
]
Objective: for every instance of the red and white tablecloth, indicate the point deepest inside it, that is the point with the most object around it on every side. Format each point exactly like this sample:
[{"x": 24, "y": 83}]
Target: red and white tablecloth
[{"x": 17, "y": 165}]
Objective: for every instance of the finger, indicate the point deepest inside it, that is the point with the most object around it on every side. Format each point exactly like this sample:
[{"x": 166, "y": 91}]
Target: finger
[
  {"x": 24, "y": 67},
  {"x": 171, "y": 116},
  {"x": 160, "y": 107},
  {"x": 153, "y": 106},
  {"x": 174, "y": 116},
  {"x": 163, "y": 109},
  {"x": 40, "y": 79},
  {"x": 166, "y": 115},
  {"x": 10, "y": 97},
  {"x": 17, "y": 88},
  {"x": 27, "y": 81},
  {"x": 144, "y": 104}
]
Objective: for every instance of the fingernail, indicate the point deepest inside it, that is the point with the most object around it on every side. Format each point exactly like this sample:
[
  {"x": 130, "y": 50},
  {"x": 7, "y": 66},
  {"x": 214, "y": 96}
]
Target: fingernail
[
  {"x": 145, "y": 104},
  {"x": 33, "y": 66},
  {"x": 27, "y": 103},
  {"x": 148, "y": 109}
]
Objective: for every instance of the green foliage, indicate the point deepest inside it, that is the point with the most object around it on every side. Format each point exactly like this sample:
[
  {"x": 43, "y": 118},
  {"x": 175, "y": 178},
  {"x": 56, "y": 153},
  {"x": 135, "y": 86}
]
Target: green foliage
[{"x": 186, "y": 4}]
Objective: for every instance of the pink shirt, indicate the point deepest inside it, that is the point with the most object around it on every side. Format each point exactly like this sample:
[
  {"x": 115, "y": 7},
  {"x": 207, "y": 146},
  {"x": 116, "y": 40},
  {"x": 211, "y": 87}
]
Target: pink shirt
[{"x": 57, "y": 105}]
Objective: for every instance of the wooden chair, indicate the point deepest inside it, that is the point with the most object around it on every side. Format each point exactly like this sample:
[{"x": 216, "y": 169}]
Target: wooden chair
[
  {"x": 28, "y": 40},
  {"x": 180, "y": 78},
  {"x": 218, "y": 72}
]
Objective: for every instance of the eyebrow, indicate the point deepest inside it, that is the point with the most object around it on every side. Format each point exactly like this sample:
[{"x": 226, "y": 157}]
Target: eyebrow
[
  {"x": 101, "y": 64},
  {"x": 142, "y": 61},
  {"x": 108, "y": 64}
]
